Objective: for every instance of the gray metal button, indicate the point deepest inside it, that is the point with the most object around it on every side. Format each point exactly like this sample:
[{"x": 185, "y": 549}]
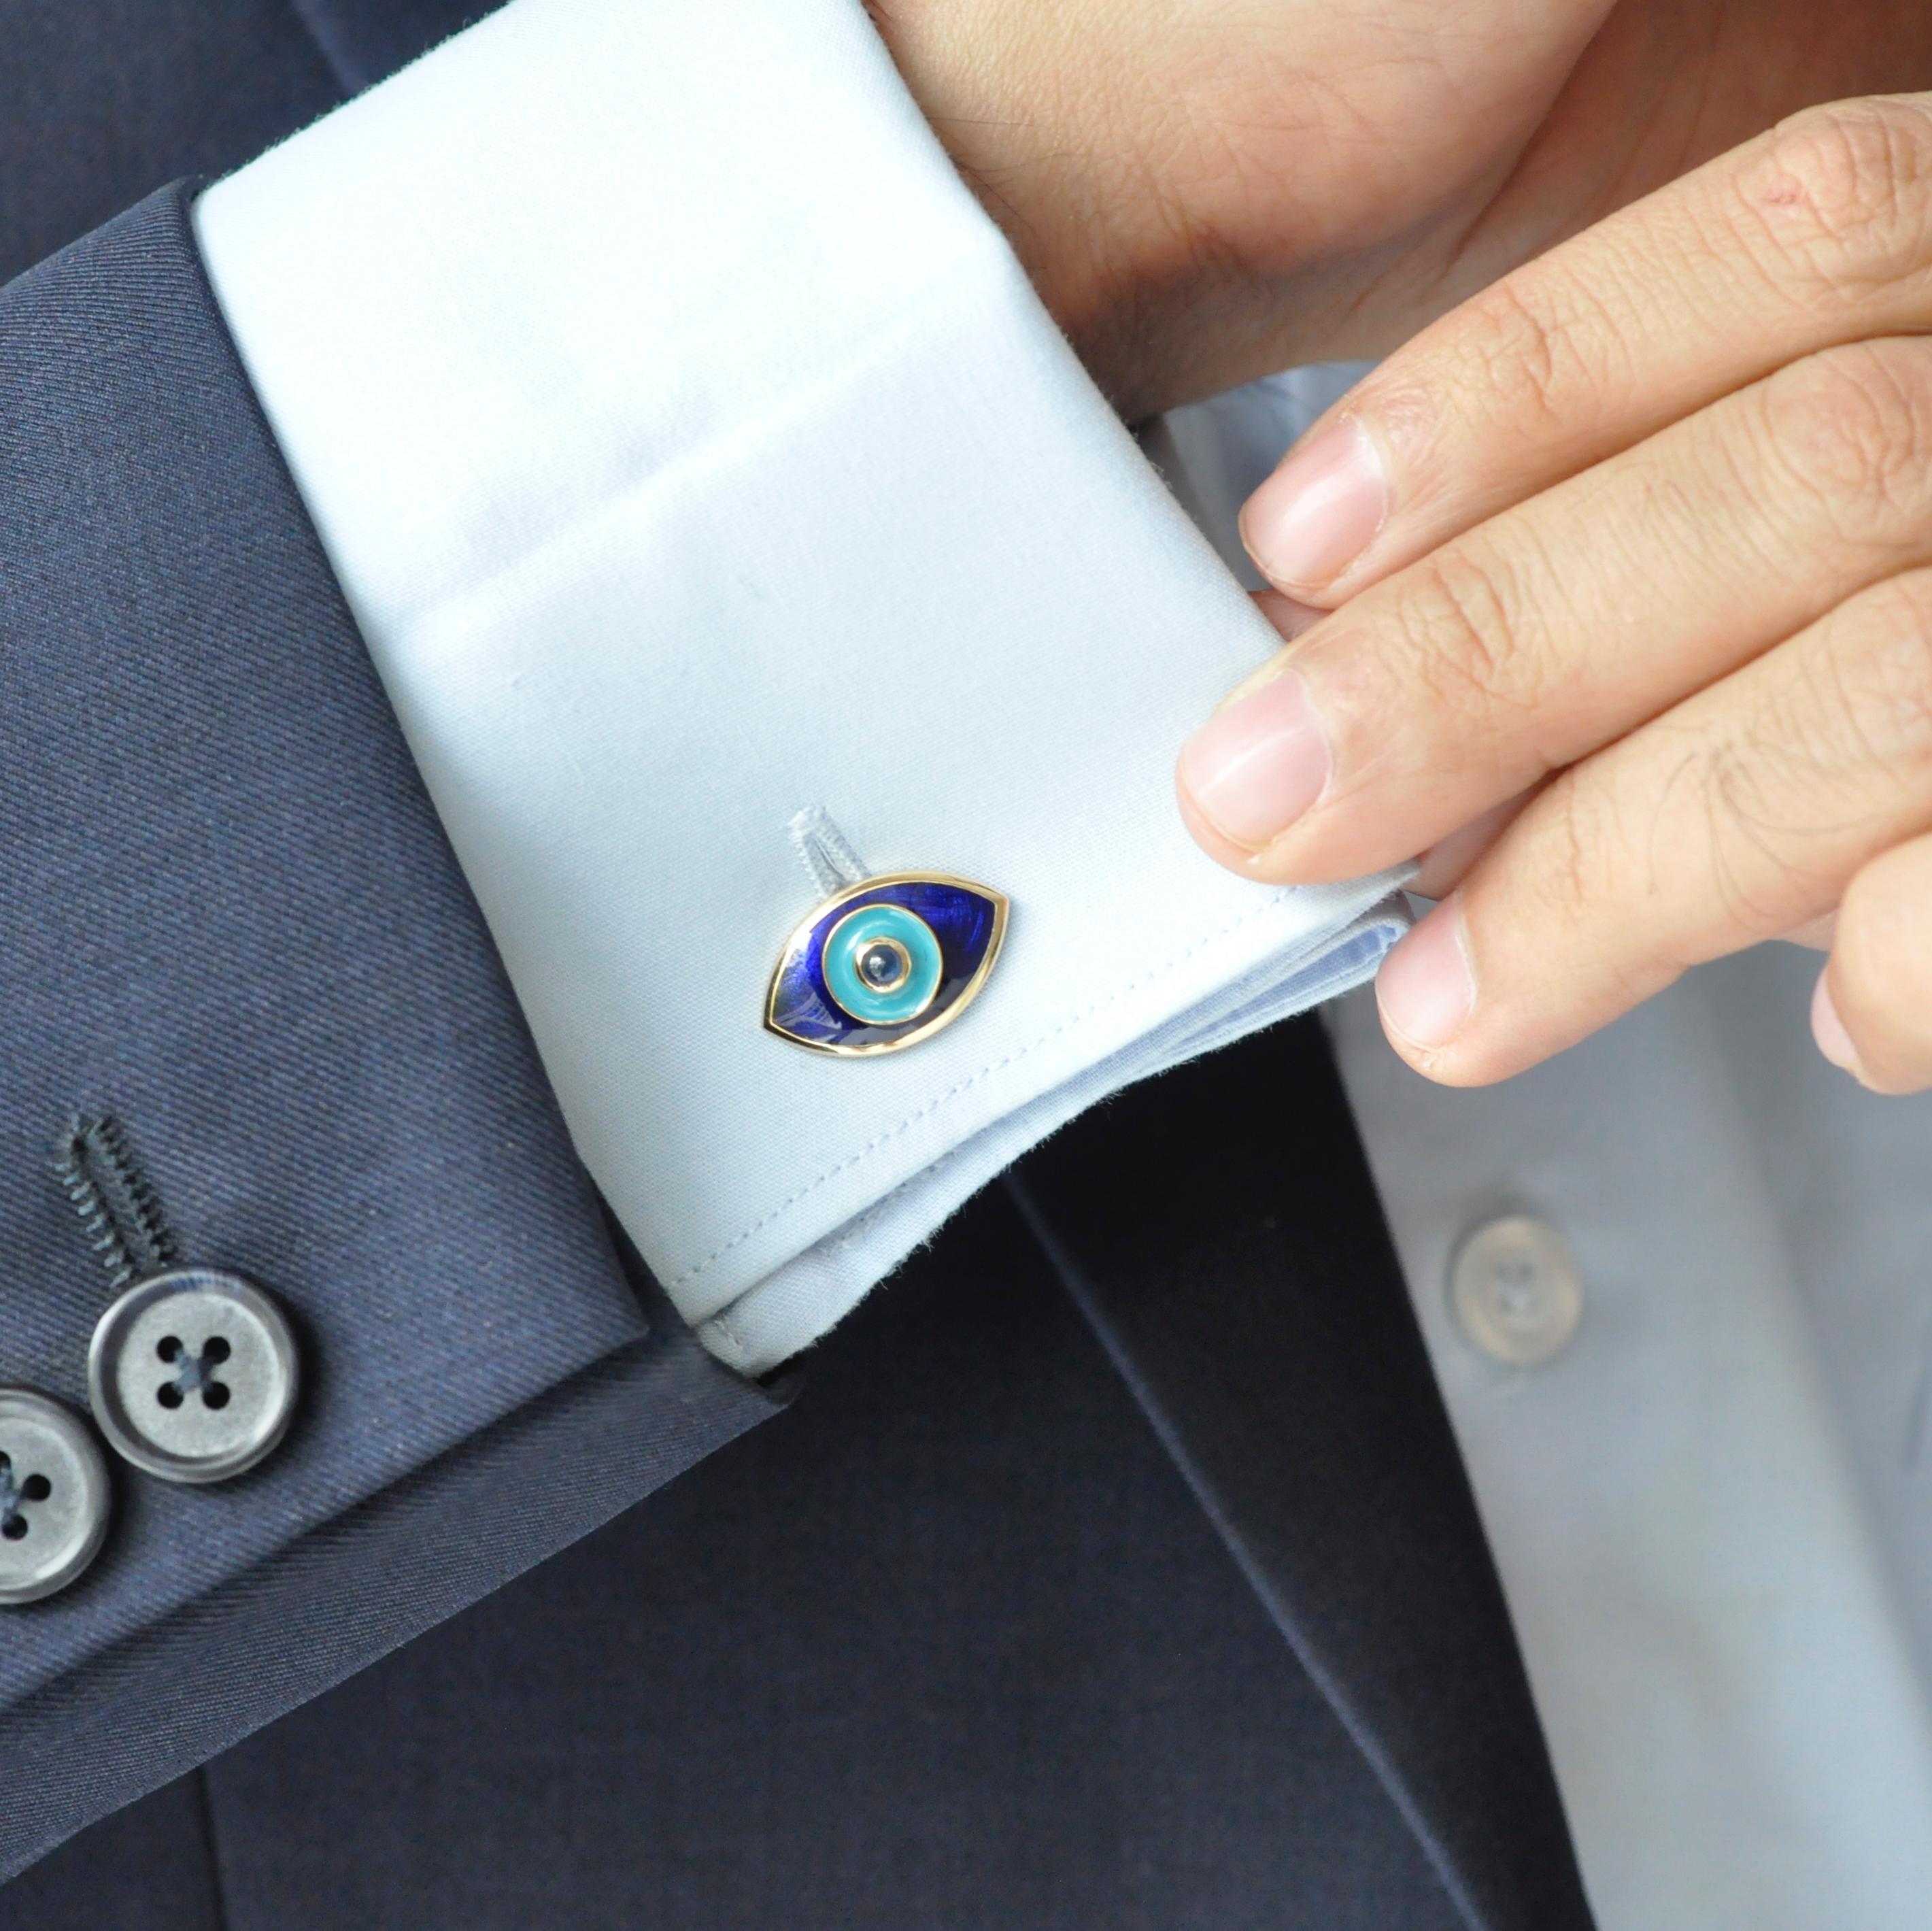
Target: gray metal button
[
  {"x": 1516, "y": 1290},
  {"x": 193, "y": 1375},
  {"x": 54, "y": 1496}
]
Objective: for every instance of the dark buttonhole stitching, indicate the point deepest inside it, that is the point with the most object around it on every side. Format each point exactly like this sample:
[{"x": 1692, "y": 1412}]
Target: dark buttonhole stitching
[{"x": 120, "y": 1210}]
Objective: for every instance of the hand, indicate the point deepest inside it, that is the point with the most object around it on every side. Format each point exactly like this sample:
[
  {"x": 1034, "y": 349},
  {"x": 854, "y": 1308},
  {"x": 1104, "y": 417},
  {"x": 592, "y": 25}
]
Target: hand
[
  {"x": 1643, "y": 533},
  {"x": 1205, "y": 191}
]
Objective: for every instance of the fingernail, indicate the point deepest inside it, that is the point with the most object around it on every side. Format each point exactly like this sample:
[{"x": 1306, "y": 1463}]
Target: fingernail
[
  {"x": 1290, "y": 620},
  {"x": 1254, "y": 768},
  {"x": 1426, "y": 988},
  {"x": 1829, "y": 1030},
  {"x": 1320, "y": 510}
]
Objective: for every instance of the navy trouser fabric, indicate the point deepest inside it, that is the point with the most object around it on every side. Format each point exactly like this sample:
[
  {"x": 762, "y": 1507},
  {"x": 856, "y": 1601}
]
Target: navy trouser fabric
[
  {"x": 986, "y": 1630},
  {"x": 949, "y": 1644}
]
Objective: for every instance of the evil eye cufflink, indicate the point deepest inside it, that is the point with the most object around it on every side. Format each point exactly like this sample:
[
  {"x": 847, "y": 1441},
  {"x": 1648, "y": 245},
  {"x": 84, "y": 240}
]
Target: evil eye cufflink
[{"x": 883, "y": 962}]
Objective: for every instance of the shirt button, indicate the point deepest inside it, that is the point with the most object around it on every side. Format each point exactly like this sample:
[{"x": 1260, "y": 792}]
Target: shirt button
[
  {"x": 193, "y": 1375},
  {"x": 1516, "y": 1290},
  {"x": 53, "y": 1497}
]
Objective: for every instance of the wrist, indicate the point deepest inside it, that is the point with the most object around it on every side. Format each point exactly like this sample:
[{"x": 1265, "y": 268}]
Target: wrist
[{"x": 1028, "y": 123}]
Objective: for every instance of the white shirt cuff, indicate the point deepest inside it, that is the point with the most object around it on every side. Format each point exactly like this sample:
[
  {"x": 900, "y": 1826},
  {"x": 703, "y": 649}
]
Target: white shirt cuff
[{"x": 692, "y": 451}]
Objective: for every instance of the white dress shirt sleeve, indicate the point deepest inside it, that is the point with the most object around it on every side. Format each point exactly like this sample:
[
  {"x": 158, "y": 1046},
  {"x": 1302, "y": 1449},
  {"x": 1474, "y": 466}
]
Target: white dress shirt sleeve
[{"x": 692, "y": 451}]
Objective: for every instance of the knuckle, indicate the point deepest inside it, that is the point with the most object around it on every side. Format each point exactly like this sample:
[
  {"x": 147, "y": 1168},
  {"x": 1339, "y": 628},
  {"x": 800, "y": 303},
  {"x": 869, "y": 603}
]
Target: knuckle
[
  {"x": 1532, "y": 345},
  {"x": 1586, "y": 845},
  {"x": 1592, "y": 847},
  {"x": 1818, "y": 773},
  {"x": 1763, "y": 866},
  {"x": 1876, "y": 669},
  {"x": 1851, "y": 429},
  {"x": 1524, "y": 349},
  {"x": 1466, "y": 633},
  {"x": 1843, "y": 193}
]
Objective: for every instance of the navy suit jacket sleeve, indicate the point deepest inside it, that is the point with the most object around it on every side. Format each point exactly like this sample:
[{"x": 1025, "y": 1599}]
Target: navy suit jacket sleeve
[{"x": 230, "y": 917}]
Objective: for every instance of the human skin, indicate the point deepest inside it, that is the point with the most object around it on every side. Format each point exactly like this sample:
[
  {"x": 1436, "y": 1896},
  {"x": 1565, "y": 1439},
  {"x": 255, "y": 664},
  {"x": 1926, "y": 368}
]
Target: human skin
[
  {"x": 1206, "y": 190},
  {"x": 1641, "y": 536}
]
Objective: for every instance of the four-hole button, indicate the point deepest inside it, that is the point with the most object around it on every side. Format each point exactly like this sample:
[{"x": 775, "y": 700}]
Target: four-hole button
[
  {"x": 54, "y": 1496},
  {"x": 193, "y": 1375}
]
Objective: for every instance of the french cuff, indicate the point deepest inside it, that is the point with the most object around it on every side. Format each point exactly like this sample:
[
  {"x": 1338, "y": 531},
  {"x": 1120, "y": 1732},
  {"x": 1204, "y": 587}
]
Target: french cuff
[{"x": 692, "y": 451}]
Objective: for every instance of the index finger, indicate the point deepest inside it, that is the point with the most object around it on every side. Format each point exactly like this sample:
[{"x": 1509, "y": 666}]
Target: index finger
[{"x": 1816, "y": 233}]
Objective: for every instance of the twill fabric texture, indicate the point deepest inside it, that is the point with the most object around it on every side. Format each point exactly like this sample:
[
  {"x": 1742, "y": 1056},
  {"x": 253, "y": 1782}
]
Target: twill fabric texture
[{"x": 232, "y": 921}]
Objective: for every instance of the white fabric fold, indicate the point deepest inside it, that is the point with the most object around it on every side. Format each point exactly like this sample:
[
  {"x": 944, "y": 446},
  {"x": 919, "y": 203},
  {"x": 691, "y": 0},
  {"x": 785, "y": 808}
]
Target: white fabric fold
[
  {"x": 788, "y": 1309},
  {"x": 691, "y": 451}
]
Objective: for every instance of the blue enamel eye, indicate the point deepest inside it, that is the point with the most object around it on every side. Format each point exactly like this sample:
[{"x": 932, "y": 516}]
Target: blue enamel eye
[{"x": 885, "y": 963}]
